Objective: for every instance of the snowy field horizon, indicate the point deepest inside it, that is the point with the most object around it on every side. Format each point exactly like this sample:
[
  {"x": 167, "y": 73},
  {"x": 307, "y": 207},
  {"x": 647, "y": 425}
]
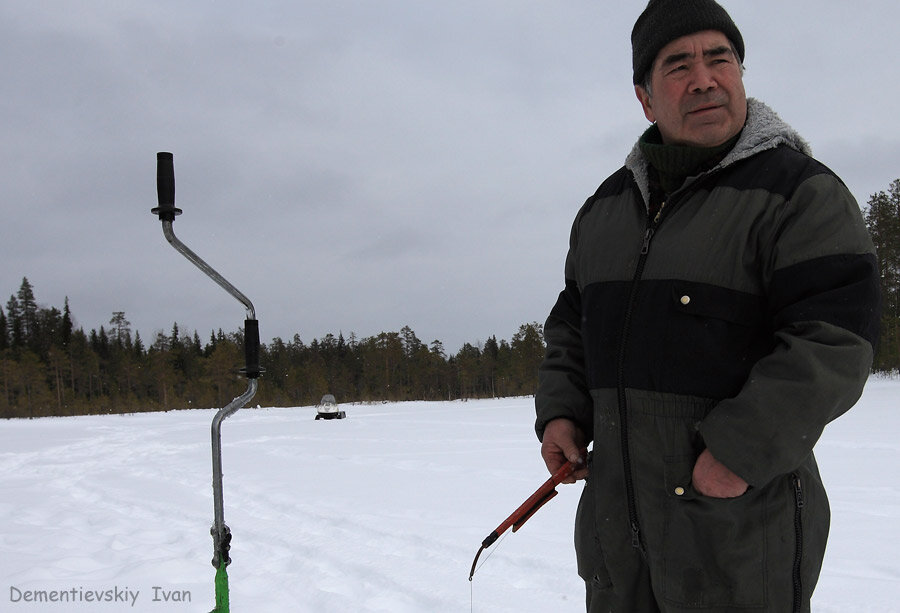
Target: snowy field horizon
[{"x": 382, "y": 511}]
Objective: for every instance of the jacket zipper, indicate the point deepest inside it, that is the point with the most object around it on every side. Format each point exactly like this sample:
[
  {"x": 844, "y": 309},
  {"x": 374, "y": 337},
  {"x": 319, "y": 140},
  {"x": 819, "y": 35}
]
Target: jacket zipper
[
  {"x": 799, "y": 503},
  {"x": 652, "y": 225}
]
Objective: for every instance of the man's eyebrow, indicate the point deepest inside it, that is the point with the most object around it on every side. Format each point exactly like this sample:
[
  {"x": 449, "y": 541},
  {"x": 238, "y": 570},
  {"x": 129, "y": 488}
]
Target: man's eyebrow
[
  {"x": 715, "y": 51},
  {"x": 675, "y": 58}
]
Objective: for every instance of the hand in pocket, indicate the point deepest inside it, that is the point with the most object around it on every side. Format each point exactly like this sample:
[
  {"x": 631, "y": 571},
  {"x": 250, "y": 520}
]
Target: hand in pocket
[{"x": 713, "y": 479}]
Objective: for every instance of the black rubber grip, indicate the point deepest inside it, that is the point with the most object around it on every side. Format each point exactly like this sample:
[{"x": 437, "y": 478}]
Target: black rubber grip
[
  {"x": 251, "y": 349},
  {"x": 165, "y": 179},
  {"x": 165, "y": 187}
]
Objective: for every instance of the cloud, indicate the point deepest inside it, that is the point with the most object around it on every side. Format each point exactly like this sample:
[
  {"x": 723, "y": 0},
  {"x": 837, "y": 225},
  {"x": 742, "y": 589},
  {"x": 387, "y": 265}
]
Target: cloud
[{"x": 360, "y": 166}]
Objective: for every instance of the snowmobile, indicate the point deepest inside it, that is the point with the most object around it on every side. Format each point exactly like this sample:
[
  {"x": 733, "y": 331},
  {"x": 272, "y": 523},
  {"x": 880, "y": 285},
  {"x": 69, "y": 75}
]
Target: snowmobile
[{"x": 328, "y": 408}]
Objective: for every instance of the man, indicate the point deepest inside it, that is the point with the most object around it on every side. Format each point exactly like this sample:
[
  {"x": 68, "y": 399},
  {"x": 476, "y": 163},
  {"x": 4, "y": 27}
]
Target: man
[{"x": 720, "y": 308}]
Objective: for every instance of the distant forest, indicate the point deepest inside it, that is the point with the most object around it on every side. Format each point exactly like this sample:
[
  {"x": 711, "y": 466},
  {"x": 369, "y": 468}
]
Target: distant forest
[{"x": 47, "y": 367}]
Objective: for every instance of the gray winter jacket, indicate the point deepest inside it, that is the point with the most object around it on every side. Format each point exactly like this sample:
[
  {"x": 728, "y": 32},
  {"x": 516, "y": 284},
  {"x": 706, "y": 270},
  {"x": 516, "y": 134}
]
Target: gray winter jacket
[{"x": 742, "y": 320}]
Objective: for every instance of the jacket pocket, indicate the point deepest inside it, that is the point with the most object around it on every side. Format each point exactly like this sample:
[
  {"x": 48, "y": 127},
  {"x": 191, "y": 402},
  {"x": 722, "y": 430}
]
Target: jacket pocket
[
  {"x": 588, "y": 554},
  {"x": 712, "y": 339},
  {"x": 707, "y": 301},
  {"x": 714, "y": 550}
]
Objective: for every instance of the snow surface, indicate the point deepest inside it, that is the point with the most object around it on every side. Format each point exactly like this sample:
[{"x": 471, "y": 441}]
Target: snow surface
[{"x": 382, "y": 511}]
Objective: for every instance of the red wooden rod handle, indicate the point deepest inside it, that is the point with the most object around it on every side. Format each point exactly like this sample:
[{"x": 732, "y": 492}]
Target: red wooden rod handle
[
  {"x": 527, "y": 509},
  {"x": 534, "y": 502}
]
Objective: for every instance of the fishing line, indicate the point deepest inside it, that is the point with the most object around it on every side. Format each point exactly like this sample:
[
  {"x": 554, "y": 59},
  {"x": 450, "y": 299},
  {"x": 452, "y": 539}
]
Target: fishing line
[{"x": 471, "y": 582}]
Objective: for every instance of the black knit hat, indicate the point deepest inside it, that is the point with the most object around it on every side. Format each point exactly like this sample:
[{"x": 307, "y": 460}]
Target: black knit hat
[{"x": 665, "y": 20}]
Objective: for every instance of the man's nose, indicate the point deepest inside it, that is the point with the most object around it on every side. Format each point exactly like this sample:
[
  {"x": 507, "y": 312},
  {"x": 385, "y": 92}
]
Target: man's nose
[{"x": 702, "y": 79}]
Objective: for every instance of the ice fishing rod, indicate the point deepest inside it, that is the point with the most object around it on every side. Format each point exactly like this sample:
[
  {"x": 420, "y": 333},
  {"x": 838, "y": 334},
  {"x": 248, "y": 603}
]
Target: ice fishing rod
[
  {"x": 221, "y": 534},
  {"x": 528, "y": 508}
]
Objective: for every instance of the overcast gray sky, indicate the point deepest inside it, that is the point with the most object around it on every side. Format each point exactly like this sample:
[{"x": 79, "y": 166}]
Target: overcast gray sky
[{"x": 358, "y": 166}]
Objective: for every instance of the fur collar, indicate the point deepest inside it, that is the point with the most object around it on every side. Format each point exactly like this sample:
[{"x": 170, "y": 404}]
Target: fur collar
[{"x": 763, "y": 130}]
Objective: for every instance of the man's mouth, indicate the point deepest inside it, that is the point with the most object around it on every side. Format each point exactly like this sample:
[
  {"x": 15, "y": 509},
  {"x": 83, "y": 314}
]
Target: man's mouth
[{"x": 704, "y": 108}]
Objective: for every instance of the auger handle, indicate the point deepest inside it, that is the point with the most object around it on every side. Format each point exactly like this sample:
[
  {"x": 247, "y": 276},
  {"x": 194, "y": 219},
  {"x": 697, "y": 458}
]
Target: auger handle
[{"x": 165, "y": 187}]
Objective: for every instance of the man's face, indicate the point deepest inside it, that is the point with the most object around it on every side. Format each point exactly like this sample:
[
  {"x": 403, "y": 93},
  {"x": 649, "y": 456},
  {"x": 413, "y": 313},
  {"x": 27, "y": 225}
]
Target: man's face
[{"x": 697, "y": 93}]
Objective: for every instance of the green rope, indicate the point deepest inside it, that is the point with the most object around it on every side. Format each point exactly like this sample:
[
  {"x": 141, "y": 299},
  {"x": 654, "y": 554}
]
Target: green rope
[{"x": 222, "y": 605}]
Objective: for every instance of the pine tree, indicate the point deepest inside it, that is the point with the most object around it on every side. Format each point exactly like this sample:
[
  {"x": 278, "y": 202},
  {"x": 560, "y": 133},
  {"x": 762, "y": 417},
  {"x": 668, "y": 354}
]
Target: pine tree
[
  {"x": 527, "y": 353},
  {"x": 883, "y": 222},
  {"x": 120, "y": 329},
  {"x": 174, "y": 340},
  {"x": 65, "y": 332},
  {"x": 100, "y": 343},
  {"x": 211, "y": 345},
  {"x": 489, "y": 363},
  {"x": 138, "y": 345},
  {"x": 14, "y": 323},
  {"x": 4, "y": 334},
  {"x": 437, "y": 348},
  {"x": 46, "y": 331},
  {"x": 29, "y": 312}
]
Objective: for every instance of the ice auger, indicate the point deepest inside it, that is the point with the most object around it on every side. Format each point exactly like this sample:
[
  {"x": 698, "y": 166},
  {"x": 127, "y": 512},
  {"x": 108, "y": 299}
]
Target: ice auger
[{"x": 165, "y": 185}]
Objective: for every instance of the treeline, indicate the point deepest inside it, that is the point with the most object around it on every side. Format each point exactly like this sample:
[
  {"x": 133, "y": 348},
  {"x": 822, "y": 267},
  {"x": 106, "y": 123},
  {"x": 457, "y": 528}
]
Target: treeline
[{"x": 48, "y": 367}]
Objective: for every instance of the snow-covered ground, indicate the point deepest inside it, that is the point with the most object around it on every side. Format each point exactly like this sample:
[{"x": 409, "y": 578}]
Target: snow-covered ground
[{"x": 382, "y": 511}]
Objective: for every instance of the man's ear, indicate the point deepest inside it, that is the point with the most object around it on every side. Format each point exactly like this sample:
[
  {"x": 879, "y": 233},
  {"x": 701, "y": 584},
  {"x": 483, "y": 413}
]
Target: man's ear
[{"x": 644, "y": 97}]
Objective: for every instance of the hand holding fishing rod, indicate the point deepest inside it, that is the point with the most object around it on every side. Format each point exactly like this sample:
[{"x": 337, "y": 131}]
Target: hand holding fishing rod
[
  {"x": 528, "y": 508},
  {"x": 165, "y": 185}
]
